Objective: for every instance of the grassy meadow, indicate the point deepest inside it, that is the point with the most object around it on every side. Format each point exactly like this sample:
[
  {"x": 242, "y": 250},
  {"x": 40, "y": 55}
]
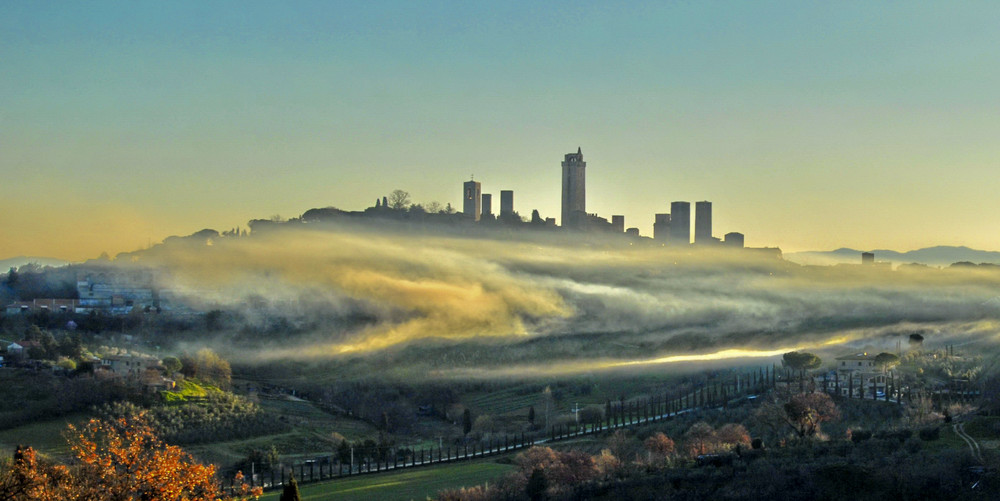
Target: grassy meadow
[{"x": 415, "y": 484}]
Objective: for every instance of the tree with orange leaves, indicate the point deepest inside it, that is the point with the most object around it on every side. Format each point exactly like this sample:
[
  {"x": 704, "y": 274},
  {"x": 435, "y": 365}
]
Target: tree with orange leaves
[
  {"x": 124, "y": 459},
  {"x": 733, "y": 434},
  {"x": 119, "y": 460},
  {"x": 27, "y": 477},
  {"x": 701, "y": 439},
  {"x": 660, "y": 445}
]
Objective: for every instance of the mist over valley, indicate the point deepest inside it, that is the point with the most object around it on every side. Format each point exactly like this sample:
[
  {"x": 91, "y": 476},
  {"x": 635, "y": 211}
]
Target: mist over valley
[{"x": 430, "y": 305}]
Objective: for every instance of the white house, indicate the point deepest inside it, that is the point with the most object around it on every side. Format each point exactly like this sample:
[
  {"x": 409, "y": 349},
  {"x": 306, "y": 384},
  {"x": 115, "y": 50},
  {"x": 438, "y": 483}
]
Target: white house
[{"x": 859, "y": 372}]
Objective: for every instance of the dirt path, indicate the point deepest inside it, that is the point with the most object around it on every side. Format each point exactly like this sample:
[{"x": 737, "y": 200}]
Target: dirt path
[{"x": 973, "y": 445}]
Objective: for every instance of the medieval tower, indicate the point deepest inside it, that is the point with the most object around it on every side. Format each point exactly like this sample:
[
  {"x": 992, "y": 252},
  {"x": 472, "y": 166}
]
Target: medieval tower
[{"x": 574, "y": 191}]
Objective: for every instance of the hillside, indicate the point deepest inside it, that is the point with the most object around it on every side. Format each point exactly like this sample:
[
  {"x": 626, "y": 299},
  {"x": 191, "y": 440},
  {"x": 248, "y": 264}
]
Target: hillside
[{"x": 941, "y": 255}]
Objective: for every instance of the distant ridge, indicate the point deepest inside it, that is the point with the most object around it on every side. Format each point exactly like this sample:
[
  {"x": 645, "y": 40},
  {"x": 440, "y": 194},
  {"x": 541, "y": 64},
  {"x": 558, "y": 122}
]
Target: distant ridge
[
  {"x": 941, "y": 255},
  {"x": 17, "y": 262}
]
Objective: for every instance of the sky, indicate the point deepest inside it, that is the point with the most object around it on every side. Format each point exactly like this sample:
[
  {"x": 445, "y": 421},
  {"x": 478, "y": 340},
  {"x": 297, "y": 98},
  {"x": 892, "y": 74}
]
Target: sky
[{"x": 809, "y": 125}]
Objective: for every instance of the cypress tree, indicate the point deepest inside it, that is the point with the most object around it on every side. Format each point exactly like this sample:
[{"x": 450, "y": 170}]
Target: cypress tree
[
  {"x": 466, "y": 421},
  {"x": 291, "y": 490},
  {"x": 537, "y": 485}
]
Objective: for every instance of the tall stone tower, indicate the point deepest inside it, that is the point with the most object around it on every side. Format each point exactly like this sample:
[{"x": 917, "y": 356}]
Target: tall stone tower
[
  {"x": 471, "y": 199},
  {"x": 661, "y": 227},
  {"x": 574, "y": 189},
  {"x": 487, "y": 206},
  {"x": 703, "y": 223},
  {"x": 618, "y": 224},
  {"x": 506, "y": 203},
  {"x": 680, "y": 223}
]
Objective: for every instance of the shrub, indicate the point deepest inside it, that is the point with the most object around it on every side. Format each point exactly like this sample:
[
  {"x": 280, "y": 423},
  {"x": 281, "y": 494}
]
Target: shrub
[
  {"x": 929, "y": 434},
  {"x": 592, "y": 414},
  {"x": 900, "y": 435},
  {"x": 858, "y": 436}
]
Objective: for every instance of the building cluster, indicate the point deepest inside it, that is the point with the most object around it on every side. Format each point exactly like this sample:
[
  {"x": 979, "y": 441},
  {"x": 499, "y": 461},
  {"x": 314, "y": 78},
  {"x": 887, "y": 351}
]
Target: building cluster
[
  {"x": 105, "y": 291},
  {"x": 43, "y": 305},
  {"x": 672, "y": 228},
  {"x": 140, "y": 371},
  {"x": 114, "y": 296}
]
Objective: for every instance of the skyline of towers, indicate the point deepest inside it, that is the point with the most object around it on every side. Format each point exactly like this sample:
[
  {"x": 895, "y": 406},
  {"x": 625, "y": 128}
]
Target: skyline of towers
[
  {"x": 674, "y": 228},
  {"x": 574, "y": 190},
  {"x": 677, "y": 231},
  {"x": 703, "y": 223},
  {"x": 472, "y": 192}
]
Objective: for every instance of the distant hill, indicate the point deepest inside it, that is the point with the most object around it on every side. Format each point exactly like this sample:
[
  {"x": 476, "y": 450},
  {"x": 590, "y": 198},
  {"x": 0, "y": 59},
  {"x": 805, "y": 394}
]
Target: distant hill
[
  {"x": 16, "y": 262},
  {"x": 942, "y": 255}
]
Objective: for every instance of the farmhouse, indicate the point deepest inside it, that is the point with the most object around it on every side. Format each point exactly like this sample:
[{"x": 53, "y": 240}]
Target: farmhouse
[
  {"x": 138, "y": 370},
  {"x": 861, "y": 374},
  {"x": 129, "y": 366}
]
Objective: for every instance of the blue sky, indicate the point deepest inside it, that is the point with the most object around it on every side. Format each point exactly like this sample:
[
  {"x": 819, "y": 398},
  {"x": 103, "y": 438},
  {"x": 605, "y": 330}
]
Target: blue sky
[{"x": 810, "y": 125}]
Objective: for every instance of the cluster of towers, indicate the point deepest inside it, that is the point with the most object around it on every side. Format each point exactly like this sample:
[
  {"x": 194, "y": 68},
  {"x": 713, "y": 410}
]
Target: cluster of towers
[
  {"x": 479, "y": 205},
  {"x": 670, "y": 229},
  {"x": 675, "y": 227}
]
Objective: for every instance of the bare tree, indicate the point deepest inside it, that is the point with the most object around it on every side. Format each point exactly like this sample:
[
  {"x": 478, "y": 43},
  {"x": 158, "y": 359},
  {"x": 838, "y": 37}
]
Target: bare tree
[{"x": 399, "y": 199}]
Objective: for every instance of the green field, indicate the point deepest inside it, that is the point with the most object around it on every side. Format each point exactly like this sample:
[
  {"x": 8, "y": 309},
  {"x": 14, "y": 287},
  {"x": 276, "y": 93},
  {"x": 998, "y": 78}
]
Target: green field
[
  {"x": 187, "y": 390},
  {"x": 46, "y": 437},
  {"x": 505, "y": 401},
  {"x": 417, "y": 483},
  {"x": 311, "y": 434},
  {"x": 984, "y": 427}
]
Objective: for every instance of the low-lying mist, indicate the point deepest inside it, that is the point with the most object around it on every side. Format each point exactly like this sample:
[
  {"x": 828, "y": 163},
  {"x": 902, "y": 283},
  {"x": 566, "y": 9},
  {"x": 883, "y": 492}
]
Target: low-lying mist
[{"x": 445, "y": 304}]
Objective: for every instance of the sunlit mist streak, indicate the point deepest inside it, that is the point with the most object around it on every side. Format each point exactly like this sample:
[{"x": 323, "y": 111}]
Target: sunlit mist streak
[
  {"x": 578, "y": 367},
  {"x": 719, "y": 355}
]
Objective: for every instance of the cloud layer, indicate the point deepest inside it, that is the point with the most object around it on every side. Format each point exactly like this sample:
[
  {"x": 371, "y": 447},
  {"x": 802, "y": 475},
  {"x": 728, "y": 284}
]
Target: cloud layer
[{"x": 534, "y": 299}]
